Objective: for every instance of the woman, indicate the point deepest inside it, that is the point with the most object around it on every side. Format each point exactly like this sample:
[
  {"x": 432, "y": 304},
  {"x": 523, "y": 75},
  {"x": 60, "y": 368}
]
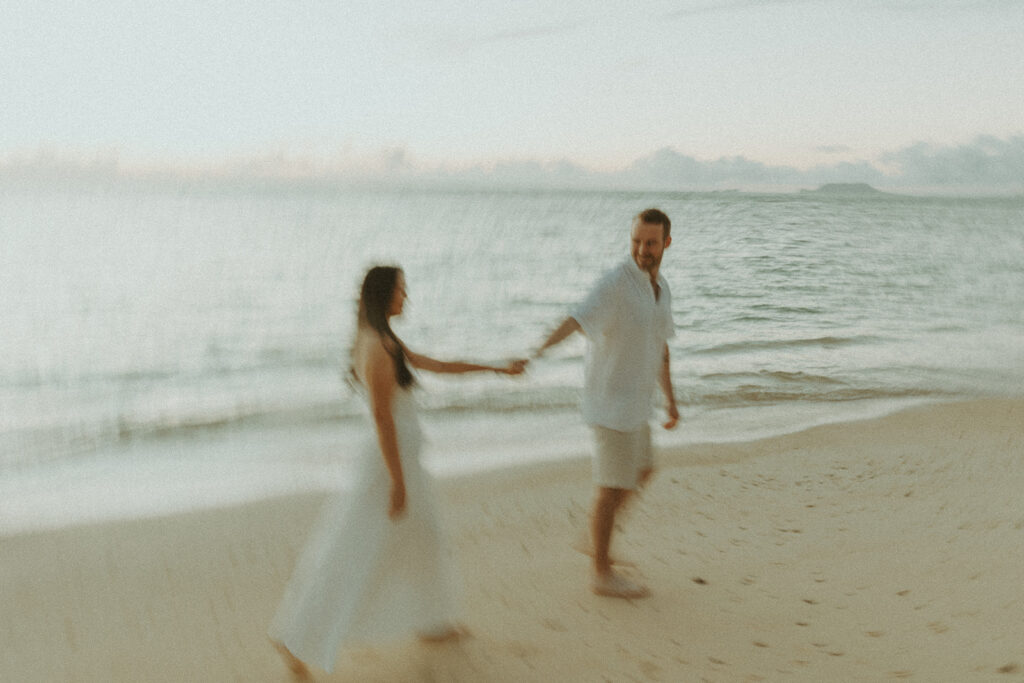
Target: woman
[{"x": 375, "y": 565}]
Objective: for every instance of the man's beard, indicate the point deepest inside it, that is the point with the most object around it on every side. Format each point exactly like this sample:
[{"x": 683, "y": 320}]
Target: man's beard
[{"x": 648, "y": 263}]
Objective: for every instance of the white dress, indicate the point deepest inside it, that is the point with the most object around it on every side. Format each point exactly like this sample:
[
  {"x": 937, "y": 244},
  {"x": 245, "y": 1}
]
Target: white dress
[{"x": 363, "y": 578}]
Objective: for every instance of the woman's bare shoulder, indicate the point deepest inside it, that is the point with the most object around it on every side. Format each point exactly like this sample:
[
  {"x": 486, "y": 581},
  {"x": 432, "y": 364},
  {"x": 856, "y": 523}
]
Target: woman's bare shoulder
[{"x": 371, "y": 351}]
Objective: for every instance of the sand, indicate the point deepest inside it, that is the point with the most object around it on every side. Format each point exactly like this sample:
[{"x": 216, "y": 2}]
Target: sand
[{"x": 884, "y": 549}]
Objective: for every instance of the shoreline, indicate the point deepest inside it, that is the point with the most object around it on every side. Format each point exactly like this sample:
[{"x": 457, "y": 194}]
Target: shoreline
[
  {"x": 880, "y": 549},
  {"x": 154, "y": 477}
]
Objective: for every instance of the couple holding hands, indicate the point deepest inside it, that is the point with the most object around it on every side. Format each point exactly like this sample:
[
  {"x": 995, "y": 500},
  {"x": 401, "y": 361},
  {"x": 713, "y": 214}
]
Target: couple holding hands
[{"x": 375, "y": 565}]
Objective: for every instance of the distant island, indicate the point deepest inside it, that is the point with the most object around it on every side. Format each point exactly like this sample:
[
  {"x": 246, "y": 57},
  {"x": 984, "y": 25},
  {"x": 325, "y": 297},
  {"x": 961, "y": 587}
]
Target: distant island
[{"x": 846, "y": 188}]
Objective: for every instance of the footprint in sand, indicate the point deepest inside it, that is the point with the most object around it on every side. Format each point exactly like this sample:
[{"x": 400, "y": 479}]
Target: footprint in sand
[
  {"x": 520, "y": 649},
  {"x": 650, "y": 670},
  {"x": 554, "y": 625}
]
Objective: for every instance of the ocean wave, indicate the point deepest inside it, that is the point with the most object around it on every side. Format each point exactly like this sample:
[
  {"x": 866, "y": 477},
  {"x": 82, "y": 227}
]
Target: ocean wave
[
  {"x": 129, "y": 427},
  {"x": 262, "y": 361},
  {"x": 284, "y": 357},
  {"x": 752, "y": 395},
  {"x": 73, "y": 437},
  {"x": 779, "y": 375},
  {"x": 543, "y": 399},
  {"x": 65, "y": 379},
  {"x": 780, "y": 308},
  {"x": 709, "y": 392},
  {"x": 777, "y": 344},
  {"x": 758, "y": 387}
]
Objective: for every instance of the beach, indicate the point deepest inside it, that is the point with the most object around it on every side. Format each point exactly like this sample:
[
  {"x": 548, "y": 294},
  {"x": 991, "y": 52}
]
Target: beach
[
  {"x": 186, "y": 227},
  {"x": 879, "y": 549}
]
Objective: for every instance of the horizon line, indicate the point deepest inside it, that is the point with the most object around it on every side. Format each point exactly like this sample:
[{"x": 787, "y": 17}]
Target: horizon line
[{"x": 987, "y": 165}]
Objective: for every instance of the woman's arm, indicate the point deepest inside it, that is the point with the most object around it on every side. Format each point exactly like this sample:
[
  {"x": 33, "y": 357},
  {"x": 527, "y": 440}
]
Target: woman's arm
[
  {"x": 421, "y": 362},
  {"x": 380, "y": 384}
]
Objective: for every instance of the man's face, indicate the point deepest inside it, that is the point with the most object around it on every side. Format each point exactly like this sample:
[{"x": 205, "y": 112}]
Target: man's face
[{"x": 647, "y": 244}]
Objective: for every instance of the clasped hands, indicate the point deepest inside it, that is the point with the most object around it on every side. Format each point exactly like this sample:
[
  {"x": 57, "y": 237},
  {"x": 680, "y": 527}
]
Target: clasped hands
[{"x": 516, "y": 366}]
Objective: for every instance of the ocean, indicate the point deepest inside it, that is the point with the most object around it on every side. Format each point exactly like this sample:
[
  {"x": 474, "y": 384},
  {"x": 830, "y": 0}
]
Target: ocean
[{"x": 174, "y": 346}]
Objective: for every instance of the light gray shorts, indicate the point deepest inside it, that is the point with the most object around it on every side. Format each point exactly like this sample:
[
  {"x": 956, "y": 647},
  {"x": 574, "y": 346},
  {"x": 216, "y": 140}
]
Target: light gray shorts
[{"x": 620, "y": 457}]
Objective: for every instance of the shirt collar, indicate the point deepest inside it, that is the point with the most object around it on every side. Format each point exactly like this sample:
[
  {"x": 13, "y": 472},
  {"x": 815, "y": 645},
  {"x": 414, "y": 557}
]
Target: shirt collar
[{"x": 639, "y": 275}]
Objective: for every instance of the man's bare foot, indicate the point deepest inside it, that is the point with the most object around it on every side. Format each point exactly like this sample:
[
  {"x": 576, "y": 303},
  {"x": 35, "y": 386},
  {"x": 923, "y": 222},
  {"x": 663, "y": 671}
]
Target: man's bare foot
[
  {"x": 584, "y": 546},
  {"x": 295, "y": 665},
  {"x": 444, "y": 634},
  {"x": 613, "y": 585}
]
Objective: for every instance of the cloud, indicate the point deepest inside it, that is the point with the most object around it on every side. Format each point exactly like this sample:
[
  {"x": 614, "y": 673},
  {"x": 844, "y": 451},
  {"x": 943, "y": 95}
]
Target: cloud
[
  {"x": 833, "y": 149},
  {"x": 668, "y": 169},
  {"x": 669, "y": 166},
  {"x": 986, "y": 165},
  {"x": 986, "y": 161}
]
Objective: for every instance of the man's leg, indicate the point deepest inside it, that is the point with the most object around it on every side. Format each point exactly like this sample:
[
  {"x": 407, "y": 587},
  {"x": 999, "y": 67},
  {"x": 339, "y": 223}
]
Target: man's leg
[
  {"x": 602, "y": 524},
  {"x": 607, "y": 582},
  {"x": 617, "y": 462},
  {"x": 644, "y": 473},
  {"x": 630, "y": 495}
]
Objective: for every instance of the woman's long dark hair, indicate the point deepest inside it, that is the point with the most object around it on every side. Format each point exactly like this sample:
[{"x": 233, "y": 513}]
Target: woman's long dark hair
[{"x": 374, "y": 302}]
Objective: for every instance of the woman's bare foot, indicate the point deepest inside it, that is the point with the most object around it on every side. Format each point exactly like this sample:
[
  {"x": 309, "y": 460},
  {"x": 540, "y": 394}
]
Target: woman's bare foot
[
  {"x": 295, "y": 665},
  {"x": 444, "y": 634}
]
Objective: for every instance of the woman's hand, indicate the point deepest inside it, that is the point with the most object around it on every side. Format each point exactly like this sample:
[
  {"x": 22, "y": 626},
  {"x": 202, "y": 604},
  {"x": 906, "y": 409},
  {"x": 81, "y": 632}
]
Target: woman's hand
[{"x": 397, "y": 506}]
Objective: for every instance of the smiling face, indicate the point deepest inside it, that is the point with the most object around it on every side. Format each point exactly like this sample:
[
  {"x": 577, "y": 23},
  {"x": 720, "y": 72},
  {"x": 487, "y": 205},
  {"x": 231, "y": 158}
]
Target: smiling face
[{"x": 647, "y": 244}]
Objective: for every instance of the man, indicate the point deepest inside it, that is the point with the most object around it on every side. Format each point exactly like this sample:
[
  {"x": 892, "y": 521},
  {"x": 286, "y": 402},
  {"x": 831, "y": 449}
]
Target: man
[{"x": 627, "y": 319}]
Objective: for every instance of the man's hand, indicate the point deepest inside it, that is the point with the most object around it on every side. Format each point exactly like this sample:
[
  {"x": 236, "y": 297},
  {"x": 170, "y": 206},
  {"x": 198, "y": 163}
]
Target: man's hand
[{"x": 673, "y": 417}]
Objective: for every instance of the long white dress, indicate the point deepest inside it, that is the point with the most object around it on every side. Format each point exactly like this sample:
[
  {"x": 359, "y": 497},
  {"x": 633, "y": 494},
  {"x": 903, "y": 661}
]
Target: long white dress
[{"x": 363, "y": 578}]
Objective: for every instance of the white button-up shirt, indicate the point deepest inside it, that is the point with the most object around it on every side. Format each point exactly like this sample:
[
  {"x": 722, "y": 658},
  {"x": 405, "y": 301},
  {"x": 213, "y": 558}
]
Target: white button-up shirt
[{"x": 626, "y": 329}]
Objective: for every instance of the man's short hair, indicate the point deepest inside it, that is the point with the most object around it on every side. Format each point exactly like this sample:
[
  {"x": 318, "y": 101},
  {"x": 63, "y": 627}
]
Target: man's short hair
[{"x": 655, "y": 217}]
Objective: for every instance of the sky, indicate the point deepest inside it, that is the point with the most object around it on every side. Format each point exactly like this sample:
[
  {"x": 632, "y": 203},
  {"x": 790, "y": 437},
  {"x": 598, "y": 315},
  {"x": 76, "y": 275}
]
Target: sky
[{"x": 692, "y": 92}]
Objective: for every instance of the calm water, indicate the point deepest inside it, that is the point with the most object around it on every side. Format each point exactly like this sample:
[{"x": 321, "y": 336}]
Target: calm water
[{"x": 156, "y": 316}]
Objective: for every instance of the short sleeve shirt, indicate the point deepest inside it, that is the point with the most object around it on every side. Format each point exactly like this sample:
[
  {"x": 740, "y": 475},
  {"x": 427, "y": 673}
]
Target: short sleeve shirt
[{"x": 626, "y": 329}]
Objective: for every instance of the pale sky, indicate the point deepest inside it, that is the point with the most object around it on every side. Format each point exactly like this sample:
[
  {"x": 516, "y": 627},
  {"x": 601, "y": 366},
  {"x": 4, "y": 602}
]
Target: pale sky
[{"x": 792, "y": 84}]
